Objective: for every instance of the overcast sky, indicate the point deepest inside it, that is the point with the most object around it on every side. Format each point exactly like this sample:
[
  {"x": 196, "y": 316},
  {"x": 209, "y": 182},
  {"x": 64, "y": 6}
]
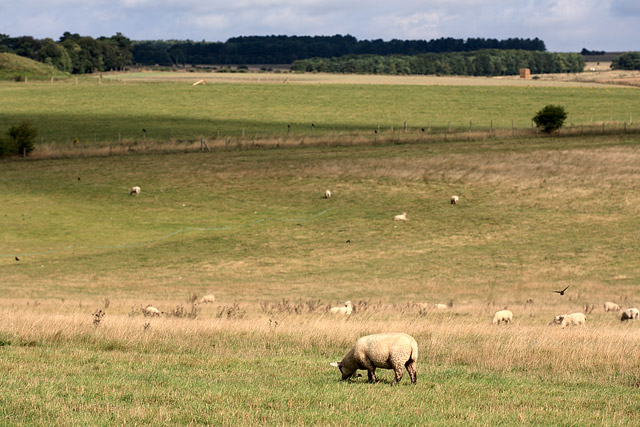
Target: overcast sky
[{"x": 564, "y": 25}]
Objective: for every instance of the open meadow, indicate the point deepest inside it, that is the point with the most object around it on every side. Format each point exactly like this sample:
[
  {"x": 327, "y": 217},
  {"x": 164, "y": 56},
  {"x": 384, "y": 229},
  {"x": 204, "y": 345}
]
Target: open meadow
[
  {"x": 80, "y": 258},
  {"x": 139, "y": 110}
]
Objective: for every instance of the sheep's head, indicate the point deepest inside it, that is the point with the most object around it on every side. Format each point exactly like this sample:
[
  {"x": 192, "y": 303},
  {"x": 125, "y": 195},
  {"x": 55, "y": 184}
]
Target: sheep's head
[
  {"x": 557, "y": 320},
  {"x": 346, "y": 372}
]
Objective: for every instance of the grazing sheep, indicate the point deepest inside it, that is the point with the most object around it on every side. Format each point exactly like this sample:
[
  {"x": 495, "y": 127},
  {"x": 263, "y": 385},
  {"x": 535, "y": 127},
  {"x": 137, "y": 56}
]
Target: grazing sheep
[
  {"x": 346, "y": 309},
  {"x": 151, "y": 311},
  {"x": 327, "y": 194},
  {"x": 630, "y": 314},
  {"x": 573, "y": 319},
  {"x": 385, "y": 351},
  {"x": 207, "y": 299},
  {"x": 401, "y": 217},
  {"x": 455, "y": 200},
  {"x": 505, "y": 316},
  {"x": 135, "y": 191},
  {"x": 610, "y": 306}
]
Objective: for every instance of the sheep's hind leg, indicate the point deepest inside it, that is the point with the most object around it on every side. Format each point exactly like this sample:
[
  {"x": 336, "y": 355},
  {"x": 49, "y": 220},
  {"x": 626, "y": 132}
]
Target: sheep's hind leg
[
  {"x": 411, "y": 368},
  {"x": 372, "y": 375}
]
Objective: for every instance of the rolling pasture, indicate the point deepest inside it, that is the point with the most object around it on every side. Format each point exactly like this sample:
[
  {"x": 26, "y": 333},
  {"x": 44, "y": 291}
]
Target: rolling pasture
[
  {"x": 117, "y": 111},
  {"x": 251, "y": 226}
]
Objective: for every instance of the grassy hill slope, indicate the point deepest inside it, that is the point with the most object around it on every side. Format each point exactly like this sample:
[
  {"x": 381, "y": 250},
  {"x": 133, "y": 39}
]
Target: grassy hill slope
[{"x": 14, "y": 66}]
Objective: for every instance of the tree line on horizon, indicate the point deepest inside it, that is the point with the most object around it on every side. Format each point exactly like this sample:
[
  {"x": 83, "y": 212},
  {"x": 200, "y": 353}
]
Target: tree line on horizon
[
  {"x": 78, "y": 54},
  {"x": 487, "y": 62}
]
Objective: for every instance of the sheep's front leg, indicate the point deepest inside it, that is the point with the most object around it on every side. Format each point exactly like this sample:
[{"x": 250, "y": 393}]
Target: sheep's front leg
[
  {"x": 372, "y": 375},
  {"x": 399, "y": 372}
]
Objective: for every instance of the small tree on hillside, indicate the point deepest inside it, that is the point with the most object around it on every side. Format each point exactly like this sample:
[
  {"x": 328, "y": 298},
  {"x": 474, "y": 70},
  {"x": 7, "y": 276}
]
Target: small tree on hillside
[{"x": 550, "y": 118}]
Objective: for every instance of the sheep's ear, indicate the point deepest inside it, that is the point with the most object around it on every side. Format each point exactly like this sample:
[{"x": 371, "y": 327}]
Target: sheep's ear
[{"x": 336, "y": 364}]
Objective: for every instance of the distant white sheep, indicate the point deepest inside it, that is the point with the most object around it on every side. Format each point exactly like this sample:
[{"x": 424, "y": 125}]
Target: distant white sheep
[
  {"x": 430, "y": 306},
  {"x": 346, "y": 310},
  {"x": 401, "y": 217},
  {"x": 135, "y": 191},
  {"x": 151, "y": 311},
  {"x": 207, "y": 299},
  {"x": 505, "y": 316},
  {"x": 630, "y": 314},
  {"x": 610, "y": 306},
  {"x": 455, "y": 200},
  {"x": 327, "y": 194},
  {"x": 386, "y": 351},
  {"x": 573, "y": 319}
]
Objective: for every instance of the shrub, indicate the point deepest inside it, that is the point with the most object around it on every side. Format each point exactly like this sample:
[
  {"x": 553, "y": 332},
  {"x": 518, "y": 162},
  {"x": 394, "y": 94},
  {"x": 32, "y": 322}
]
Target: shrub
[
  {"x": 20, "y": 140},
  {"x": 550, "y": 118}
]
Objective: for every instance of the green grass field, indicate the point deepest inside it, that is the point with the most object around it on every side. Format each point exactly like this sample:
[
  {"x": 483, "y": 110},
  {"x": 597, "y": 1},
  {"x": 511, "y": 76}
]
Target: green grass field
[
  {"x": 251, "y": 227},
  {"x": 110, "y": 113}
]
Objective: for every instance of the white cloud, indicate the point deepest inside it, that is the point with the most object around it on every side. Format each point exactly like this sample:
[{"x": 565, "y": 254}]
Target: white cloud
[{"x": 415, "y": 26}]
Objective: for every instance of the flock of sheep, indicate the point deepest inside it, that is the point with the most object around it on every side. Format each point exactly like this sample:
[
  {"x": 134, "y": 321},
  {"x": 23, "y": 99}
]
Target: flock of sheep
[
  {"x": 397, "y": 351},
  {"x": 573, "y": 319}
]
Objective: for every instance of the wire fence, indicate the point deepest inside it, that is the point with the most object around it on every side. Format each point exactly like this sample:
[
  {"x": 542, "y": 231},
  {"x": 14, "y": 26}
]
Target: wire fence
[{"x": 391, "y": 135}]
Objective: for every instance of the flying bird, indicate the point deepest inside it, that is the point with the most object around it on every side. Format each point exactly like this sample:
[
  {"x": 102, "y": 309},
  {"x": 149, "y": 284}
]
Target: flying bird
[{"x": 562, "y": 291}]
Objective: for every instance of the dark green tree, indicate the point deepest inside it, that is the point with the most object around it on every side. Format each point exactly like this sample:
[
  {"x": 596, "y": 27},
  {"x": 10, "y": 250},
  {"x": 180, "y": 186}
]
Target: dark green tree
[
  {"x": 550, "y": 118},
  {"x": 21, "y": 138},
  {"x": 626, "y": 61}
]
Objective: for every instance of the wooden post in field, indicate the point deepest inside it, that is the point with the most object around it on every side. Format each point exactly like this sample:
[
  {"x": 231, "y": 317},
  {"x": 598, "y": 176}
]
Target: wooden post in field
[
  {"x": 76, "y": 81},
  {"x": 51, "y": 79},
  {"x": 26, "y": 79},
  {"x": 405, "y": 125}
]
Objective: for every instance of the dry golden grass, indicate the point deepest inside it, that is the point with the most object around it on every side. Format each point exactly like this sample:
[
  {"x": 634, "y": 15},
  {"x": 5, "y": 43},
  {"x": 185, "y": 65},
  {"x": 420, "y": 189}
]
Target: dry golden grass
[
  {"x": 461, "y": 335},
  {"x": 544, "y": 80}
]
